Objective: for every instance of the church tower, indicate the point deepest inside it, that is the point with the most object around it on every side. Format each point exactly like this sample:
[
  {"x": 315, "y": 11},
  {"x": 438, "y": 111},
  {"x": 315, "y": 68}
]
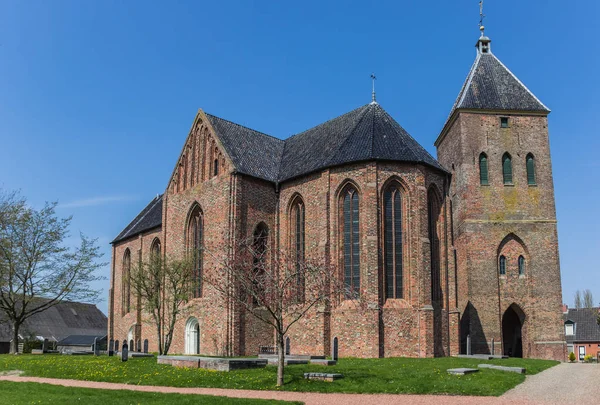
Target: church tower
[{"x": 505, "y": 243}]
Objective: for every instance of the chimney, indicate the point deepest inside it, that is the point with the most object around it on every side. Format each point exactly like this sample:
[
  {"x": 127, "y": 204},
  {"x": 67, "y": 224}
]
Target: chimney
[{"x": 565, "y": 308}]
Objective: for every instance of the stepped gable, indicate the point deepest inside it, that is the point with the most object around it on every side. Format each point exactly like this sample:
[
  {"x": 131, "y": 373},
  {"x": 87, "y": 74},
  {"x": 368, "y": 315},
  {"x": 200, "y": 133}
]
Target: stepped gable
[{"x": 149, "y": 218}]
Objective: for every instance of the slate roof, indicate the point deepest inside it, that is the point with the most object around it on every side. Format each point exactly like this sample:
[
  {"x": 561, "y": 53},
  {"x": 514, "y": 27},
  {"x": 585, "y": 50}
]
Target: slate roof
[
  {"x": 252, "y": 152},
  {"x": 81, "y": 340},
  {"x": 586, "y": 326},
  {"x": 149, "y": 218},
  {"x": 60, "y": 321},
  {"x": 366, "y": 133}
]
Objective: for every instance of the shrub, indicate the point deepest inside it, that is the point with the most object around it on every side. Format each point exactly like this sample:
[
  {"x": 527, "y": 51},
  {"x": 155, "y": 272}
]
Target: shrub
[
  {"x": 571, "y": 357},
  {"x": 588, "y": 358}
]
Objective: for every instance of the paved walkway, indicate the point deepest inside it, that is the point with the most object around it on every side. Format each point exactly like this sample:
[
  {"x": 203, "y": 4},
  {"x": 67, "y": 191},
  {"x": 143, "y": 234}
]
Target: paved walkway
[
  {"x": 566, "y": 383},
  {"x": 307, "y": 398}
]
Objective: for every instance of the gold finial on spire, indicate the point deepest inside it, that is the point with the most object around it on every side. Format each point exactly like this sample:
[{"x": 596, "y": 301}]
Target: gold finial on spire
[{"x": 481, "y": 17}]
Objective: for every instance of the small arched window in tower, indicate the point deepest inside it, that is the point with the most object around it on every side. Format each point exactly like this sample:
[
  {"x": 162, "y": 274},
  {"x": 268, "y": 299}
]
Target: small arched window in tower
[
  {"x": 195, "y": 245},
  {"x": 483, "y": 170},
  {"x": 126, "y": 283},
  {"x": 507, "y": 169},
  {"x": 351, "y": 242},
  {"x": 392, "y": 224},
  {"x": 502, "y": 265},
  {"x": 521, "y": 266},
  {"x": 530, "y": 162},
  {"x": 259, "y": 263},
  {"x": 298, "y": 244}
]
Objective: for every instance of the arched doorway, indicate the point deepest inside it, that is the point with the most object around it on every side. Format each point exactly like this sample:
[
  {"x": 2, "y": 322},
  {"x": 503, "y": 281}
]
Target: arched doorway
[
  {"x": 512, "y": 331},
  {"x": 192, "y": 336}
]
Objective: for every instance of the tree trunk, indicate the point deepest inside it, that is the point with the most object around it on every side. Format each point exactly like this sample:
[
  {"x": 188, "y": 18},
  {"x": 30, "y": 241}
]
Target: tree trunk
[
  {"x": 280, "y": 359},
  {"x": 14, "y": 345}
]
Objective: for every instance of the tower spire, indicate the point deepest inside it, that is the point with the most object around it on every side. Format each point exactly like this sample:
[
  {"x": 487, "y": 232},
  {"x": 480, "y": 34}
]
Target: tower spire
[
  {"x": 484, "y": 43},
  {"x": 373, "y": 99},
  {"x": 481, "y": 18}
]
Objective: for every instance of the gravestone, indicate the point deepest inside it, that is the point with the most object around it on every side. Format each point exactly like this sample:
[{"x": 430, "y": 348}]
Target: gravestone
[
  {"x": 334, "y": 349},
  {"x": 131, "y": 346},
  {"x": 96, "y": 347},
  {"x": 287, "y": 346},
  {"x": 116, "y": 346},
  {"x": 111, "y": 347},
  {"x": 45, "y": 346},
  {"x": 138, "y": 346},
  {"x": 468, "y": 345},
  {"x": 145, "y": 345},
  {"x": 493, "y": 346},
  {"x": 125, "y": 352}
]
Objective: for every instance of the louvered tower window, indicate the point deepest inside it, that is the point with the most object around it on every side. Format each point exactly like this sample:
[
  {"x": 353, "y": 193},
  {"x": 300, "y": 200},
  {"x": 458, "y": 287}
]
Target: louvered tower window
[
  {"x": 298, "y": 243},
  {"x": 483, "y": 170},
  {"x": 502, "y": 265},
  {"x": 507, "y": 169},
  {"x": 393, "y": 242},
  {"x": 530, "y": 162},
  {"x": 521, "y": 266},
  {"x": 351, "y": 242}
]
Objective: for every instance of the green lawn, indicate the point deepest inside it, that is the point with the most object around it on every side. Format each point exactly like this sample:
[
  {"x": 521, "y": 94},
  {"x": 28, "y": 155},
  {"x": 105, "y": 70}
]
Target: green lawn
[
  {"x": 392, "y": 375},
  {"x": 33, "y": 393}
]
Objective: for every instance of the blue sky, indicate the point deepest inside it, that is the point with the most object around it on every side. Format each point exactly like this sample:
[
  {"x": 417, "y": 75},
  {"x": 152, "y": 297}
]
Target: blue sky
[{"x": 96, "y": 97}]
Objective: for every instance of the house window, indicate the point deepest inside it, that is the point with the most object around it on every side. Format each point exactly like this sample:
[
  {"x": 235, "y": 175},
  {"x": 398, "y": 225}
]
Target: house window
[
  {"x": 392, "y": 210},
  {"x": 502, "y": 265},
  {"x": 298, "y": 243},
  {"x": 483, "y": 170},
  {"x": 503, "y": 122},
  {"x": 195, "y": 240},
  {"x": 569, "y": 329},
  {"x": 530, "y": 163},
  {"x": 521, "y": 266},
  {"x": 351, "y": 242},
  {"x": 507, "y": 169}
]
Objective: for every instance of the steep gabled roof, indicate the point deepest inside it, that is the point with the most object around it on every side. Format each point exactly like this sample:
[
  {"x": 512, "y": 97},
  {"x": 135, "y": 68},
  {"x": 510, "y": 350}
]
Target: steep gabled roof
[
  {"x": 149, "y": 218},
  {"x": 252, "y": 152},
  {"x": 586, "y": 325},
  {"x": 366, "y": 133}
]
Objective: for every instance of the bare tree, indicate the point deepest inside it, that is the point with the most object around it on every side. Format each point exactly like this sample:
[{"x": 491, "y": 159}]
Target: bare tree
[
  {"x": 163, "y": 286},
  {"x": 578, "y": 300},
  {"x": 37, "y": 269},
  {"x": 588, "y": 299},
  {"x": 276, "y": 288}
]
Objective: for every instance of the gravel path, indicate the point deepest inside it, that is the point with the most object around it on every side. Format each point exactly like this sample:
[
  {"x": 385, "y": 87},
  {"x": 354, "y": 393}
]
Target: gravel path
[
  {"x": 307, "y": 398},
  {"x": 566, "y": 383}
]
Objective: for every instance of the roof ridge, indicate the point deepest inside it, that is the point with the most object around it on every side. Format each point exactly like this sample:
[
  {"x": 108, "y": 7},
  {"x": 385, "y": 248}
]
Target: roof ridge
[
  {"x": 467, "y": 84},
  {"x": 519, "y": 81},
  {"x": 326, "y": 122},
  {"x": 411, "y": 137},
  {"x": 354, "y": 127},
  {"x": 245, "y": 127}
]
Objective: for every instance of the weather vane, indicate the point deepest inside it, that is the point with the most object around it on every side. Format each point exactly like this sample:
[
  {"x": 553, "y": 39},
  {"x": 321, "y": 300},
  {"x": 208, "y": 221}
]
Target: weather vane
[
  {"x": 373, "y": 78},
  {"x": 481, "y": 17}
]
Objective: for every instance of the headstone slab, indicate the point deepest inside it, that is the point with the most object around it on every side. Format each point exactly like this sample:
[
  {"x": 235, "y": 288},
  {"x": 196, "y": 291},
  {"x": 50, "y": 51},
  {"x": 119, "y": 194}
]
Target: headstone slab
[
  {"x": 111, "y": 347},
  {"x": 125, "y": 352},
  {"x": 334, "y": 349},
  {"x": 462, "y": 371},
  {"x": 116, "y": 345},
  {"x": 518, "y": 370},
  {"x": 96, "y": 347},
  {"x": 287, "y": 346},
  {"x": 145, "y": 345}
]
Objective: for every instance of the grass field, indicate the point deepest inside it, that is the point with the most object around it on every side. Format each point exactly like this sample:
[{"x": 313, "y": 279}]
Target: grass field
[
  {"x": 391, "y": 375},
  {"x": 32, "y": 393}
]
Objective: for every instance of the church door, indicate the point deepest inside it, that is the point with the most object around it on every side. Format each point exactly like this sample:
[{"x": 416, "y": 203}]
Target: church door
[{"x": 512, "y": 328}]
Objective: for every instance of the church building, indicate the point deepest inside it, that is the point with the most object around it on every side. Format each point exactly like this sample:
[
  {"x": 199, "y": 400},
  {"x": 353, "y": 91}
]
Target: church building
[{"x": 451, "y": 254}]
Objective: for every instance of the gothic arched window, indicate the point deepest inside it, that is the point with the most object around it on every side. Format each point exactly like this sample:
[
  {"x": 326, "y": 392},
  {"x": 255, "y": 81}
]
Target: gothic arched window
[
  {"x": 260, "y": 242},
  {"x": 433, "y": 211},
  {"x": 483, "y": 170},
  {"x": 351, "y": 241},
  {"x": 530, "y": 163},
  {"x": 297, "y": 216},
  {"x": 502, "y": 265},
  {"x": 521, "y": 266},
  {"x": 392, "y": 231},
  {"x": 507, "y": 169},
  {"x": 126, "y": 283},
  {"x": 195, "y": 247}
]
